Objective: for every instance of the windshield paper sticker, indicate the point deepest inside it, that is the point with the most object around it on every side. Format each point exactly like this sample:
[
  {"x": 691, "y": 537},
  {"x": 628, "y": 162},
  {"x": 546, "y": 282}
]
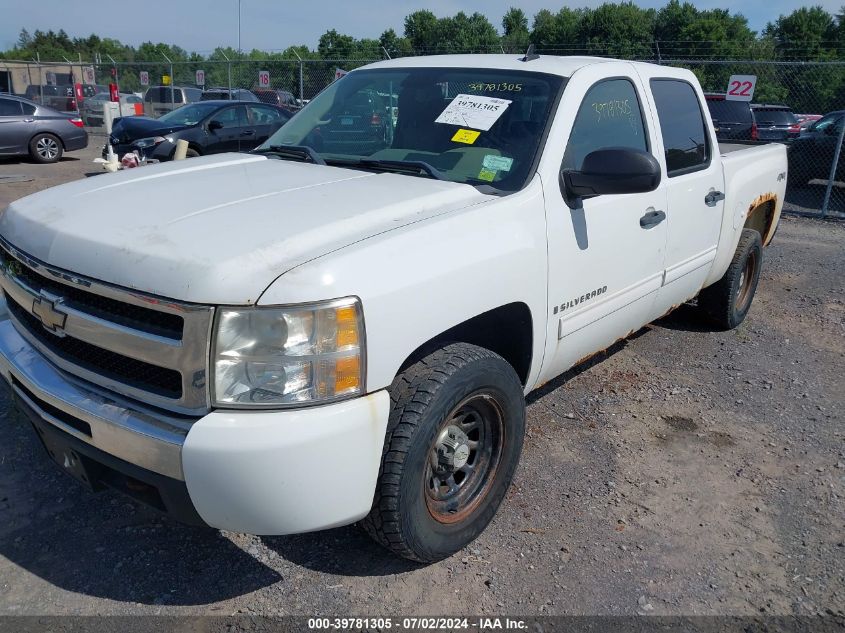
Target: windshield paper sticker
[
  {"x": 465, "y": 136},
  {"x": 487, "y": 174},
  {"x": 497, "y": 163},
  {"x": 475, "y": 111}
]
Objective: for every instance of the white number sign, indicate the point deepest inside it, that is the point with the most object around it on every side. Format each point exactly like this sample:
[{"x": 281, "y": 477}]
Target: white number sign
[
  {"x": 200, "y": 77},
  {"x": 145, "y": 78},
  {"x": 741, "y": 87},
  {"x": 88, "y": 75},
  {"x": 264, "y": 78}
]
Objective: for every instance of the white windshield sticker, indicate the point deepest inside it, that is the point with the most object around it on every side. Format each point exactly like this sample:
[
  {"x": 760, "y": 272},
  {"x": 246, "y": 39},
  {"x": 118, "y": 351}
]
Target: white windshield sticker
[{"x": 474, "y": 111}]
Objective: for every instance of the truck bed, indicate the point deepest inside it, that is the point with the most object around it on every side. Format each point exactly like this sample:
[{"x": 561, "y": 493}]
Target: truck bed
[{"x": 728, "y": 148}]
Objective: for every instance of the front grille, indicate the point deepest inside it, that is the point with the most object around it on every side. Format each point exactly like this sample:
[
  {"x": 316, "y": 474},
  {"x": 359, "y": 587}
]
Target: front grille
[
  {"x": 143, "y": 347},
  {"x": 127, "y": 315},
  {"x": 165, "y": 382}
]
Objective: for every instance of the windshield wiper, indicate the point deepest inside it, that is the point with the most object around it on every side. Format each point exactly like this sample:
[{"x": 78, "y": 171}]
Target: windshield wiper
[
  {"x": 302, "y": 152},
  {"x": 407, "y": 166}
]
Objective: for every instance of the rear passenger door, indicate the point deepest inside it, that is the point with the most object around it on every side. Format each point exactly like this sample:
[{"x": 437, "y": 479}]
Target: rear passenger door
[
  {"x": 695, "y": 185},
  {"x": 13, "y": 129}
]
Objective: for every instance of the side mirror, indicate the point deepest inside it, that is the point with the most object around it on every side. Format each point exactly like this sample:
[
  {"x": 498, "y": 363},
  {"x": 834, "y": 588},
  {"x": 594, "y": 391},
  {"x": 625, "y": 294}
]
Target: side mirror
[
  {"x": 615, "y": 170},
  {"x": 214, "y": 125}
]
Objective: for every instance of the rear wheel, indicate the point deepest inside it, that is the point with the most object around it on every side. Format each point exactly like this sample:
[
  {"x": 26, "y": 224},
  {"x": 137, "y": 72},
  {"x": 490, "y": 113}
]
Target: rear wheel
[
  {"x": 453, "y": 442},
  {"x": 45, "y": 148},
  {"x": 727, "y": 302}
]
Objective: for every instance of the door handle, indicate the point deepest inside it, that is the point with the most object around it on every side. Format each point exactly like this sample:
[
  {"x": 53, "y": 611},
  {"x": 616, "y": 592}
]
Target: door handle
[
  {"x": 652, "y": 218},
  {"x": 248, "y": 133},
  {"x": 713, "y": 197},
  {"x": 28, "y": 120}
]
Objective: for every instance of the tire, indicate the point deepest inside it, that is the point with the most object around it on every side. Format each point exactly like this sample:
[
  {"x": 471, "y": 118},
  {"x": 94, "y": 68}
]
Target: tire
[
  {"x": 437, "y": 492},
  {"x": 191, "y": 153},
  {"x": 726, "y": 302},
  {"x": 45, "y": 148}
]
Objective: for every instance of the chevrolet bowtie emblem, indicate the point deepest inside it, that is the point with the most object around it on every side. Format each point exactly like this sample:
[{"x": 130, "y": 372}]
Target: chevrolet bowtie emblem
[{"x": 46, "y": 312}]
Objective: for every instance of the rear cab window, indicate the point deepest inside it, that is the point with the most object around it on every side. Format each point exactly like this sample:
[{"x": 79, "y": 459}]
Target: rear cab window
[{"x": 686, "y": 139}]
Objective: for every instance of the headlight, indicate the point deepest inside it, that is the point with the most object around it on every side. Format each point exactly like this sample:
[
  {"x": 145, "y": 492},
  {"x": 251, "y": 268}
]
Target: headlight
[
  {"x": 271, "y": 357},
  {"x": 149, "y": 142}
]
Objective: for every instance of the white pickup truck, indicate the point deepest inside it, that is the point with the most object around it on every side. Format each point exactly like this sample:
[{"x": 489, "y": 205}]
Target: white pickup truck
[{"x": 342, "y": 325}]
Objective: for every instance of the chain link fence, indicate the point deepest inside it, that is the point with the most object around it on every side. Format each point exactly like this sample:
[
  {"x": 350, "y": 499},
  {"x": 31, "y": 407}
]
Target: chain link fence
[{"x": 801, "y": 104}]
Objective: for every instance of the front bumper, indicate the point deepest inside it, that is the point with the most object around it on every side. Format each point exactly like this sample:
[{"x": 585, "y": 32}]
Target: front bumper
[{"x": 261, "y": 472}]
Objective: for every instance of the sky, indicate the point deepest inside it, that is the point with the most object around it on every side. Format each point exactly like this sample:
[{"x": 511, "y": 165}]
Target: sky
[{"x": 201, "y": 26}]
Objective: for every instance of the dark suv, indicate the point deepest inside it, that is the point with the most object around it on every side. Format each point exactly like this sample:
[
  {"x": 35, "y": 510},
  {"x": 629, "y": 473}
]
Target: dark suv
[
  {"x": 225, "y": 94},
  {"x": 733, "y": 120},
  {"x": 775, "y": 123},
  {"x": 61, "y": 98},
  {"x": 281, "y": 98}
]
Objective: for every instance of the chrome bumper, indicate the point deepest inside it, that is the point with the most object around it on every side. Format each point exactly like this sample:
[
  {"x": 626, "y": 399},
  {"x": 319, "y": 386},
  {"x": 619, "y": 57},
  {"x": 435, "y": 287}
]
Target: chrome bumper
[{"x": 148, "y": 438}]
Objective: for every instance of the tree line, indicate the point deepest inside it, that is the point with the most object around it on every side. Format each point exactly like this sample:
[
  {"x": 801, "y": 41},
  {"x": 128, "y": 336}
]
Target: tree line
[{"x": 677, "y": 31}]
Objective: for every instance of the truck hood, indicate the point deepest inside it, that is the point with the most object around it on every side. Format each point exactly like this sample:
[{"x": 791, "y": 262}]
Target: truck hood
[{"x": 217, "y": 229}]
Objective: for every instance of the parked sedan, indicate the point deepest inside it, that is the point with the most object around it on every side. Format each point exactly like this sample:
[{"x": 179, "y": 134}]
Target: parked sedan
[
  {"x": 91, "y": 109},
  {"x": 811, "y": 155},
  {"x": 210, "y": 127},
  {"x": 42, "y": 132}
]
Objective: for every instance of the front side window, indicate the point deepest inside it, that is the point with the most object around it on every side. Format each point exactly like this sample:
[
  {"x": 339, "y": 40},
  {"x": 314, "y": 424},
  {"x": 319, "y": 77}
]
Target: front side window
[
  {"x": 609, "y": 116},
  {"x": 685, "y": 137},
  {"x": 479, "y": 126}
]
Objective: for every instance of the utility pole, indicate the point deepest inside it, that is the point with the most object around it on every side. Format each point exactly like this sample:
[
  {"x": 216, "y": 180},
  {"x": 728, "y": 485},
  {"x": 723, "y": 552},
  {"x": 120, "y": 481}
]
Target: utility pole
[{"x": 172, "y": 90}]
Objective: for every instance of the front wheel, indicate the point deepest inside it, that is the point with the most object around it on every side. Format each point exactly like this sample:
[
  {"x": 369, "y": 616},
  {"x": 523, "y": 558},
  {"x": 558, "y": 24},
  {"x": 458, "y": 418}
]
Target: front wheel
[
  {"x": 453, "y": 443},
  {"x": 728, "y": 300}
]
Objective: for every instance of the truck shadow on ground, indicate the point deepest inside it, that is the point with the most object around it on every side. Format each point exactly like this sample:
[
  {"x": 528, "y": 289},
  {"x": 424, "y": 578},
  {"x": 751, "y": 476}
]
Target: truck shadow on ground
[
  {"x": 105, "y": 545},
  {"x": 686, "y": 318},
  {"x": 346, "y": 551}
]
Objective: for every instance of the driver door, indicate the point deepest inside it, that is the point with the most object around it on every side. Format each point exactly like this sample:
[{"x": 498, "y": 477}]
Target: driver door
[{"x": 606, "y": 254}]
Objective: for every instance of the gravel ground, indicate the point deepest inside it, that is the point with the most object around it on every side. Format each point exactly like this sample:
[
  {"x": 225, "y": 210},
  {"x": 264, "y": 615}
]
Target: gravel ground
[{"x": 684, "y": 471}]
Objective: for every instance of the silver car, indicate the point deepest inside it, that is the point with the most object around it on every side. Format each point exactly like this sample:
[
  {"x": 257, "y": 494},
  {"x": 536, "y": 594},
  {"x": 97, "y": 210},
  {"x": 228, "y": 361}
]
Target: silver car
[
  {"x": 91, "y": 109},
  {"x": 42, "y": 132}
]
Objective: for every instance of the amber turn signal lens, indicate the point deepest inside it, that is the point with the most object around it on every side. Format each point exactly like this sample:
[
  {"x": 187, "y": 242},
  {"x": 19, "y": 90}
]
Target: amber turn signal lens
[
  {"x": 347, "y": 326},
  {"x": 347, "y": 374}
]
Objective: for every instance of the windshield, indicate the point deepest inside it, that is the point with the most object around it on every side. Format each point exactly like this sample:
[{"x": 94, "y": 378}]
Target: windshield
[
  {"x": 189, "y": 114},
  {"x": 474, "y": 126}
]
